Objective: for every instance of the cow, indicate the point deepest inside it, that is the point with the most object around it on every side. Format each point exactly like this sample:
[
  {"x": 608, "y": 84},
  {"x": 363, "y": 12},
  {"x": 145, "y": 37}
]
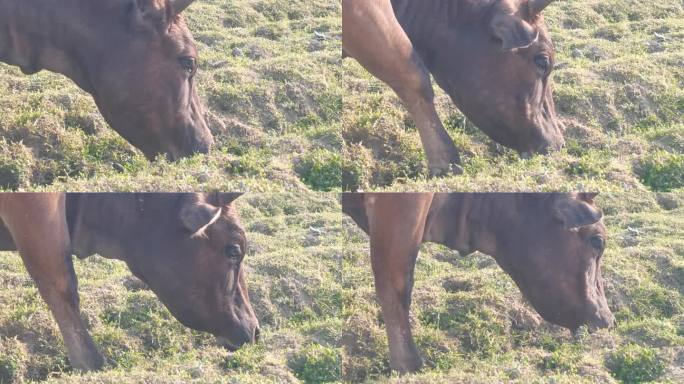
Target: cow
[
  {"x": 550, "y": 244},
  {"x": 137, "y": 59},
  {"x": 187, "y": 248},
  {"x": 493, "y": 57}
]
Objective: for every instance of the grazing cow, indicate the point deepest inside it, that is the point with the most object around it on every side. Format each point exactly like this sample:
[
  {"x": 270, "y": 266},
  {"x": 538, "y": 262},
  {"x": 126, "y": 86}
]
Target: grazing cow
[
  {"x": 493, "y": 58},
  {"x": 550, "y": 244},
  {"x": 136, "y": 58},
  {"x": 188, "y": 248}
]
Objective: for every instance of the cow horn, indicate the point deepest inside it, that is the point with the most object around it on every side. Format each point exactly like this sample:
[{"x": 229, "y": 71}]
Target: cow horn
[
  {"x": 180, "y": 5},
  {"x": 536, "y": 6},
  {"x": 196, "y": 215}
]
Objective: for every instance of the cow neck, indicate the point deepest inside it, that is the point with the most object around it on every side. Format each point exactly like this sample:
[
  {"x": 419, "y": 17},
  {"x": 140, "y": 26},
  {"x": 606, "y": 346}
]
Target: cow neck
[
  {"x": 50, "y": 35},
  {"x": 469, "y": 222},
  {"x": 107, "y": 224},
  {"x": 427, "y": 22},
  {"x": 91, "y": 226}
]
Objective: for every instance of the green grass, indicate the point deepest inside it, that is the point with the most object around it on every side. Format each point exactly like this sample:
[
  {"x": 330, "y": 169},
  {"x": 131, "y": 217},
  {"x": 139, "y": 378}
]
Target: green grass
[
  {"x": 270, "y": 78},
  {"x": 275, "y": 94},
  {"x": 317, "y": 364},
  {"x": 472, "y": 324},
  {"x": 619, "y": 92},
  {"x": 634, "y": 364},
  {"x": 321, "y": 169}
]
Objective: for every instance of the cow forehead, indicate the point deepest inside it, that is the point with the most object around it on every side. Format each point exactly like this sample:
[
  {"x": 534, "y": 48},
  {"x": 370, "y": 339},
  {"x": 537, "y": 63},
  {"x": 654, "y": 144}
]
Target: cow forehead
[
  {"x": 180, "y": 38},
  {"x": 226, "y": 229}
]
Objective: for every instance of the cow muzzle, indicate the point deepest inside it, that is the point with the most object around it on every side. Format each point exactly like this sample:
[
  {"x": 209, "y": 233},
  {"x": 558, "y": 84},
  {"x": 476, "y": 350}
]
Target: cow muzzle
[
  {"x": 238, "y": 338},
  {"x": 602, "y": 319},
  {"x": 198, "y": 139}
]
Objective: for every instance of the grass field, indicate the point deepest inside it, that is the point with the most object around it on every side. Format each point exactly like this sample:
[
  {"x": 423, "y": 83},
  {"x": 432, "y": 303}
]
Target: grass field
[
  {"x": 473, "y": 326},
  {"x": 290, "y": 118},
  {"x": 295, "y": 248},
  {"x": 270, "y": 78},
  {"x": 619, "y": 89}
]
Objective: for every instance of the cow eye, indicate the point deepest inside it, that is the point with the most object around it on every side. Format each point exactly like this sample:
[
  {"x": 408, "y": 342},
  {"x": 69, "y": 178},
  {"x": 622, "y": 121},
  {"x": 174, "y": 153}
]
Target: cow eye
[
  {"x": 543, "y": 62},
  {"x": 233, "y": 251},
  {"x": 598, "y": 243},
  {"x": 188, "y": 64}
]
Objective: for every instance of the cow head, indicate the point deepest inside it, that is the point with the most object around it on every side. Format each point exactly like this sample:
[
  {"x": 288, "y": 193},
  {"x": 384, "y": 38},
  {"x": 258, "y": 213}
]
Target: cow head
[
  {"x": 194, "y": 265},
  {"x": 143, "y": 81},
  {"x": 498, "y": 73},
  {"x": 554, "y": 256}
]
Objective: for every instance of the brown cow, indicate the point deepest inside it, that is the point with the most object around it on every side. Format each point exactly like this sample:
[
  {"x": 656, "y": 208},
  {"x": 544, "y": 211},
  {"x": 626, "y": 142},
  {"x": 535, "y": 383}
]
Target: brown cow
[
  {"x": 493, "y": 57},
  {"x": 188, "y": 248},
  {"x": 550, "y": 244},
  {"x": 136, "y": 58}
]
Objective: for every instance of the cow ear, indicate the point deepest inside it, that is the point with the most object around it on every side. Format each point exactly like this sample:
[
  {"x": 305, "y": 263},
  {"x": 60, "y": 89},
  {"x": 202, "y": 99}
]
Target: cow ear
[
  {"x": 196, "y": 217},
  {"x": 588, "y": 196},
  {"x": 512, "y": 31},
  {"x": 225, "y": 198},
  {"x": 575, "y": 212},
  {"x": 179, "y": 6}
]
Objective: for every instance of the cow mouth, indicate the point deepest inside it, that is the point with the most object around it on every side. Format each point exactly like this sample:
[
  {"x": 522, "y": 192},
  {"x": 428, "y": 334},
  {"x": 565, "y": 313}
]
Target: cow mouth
[
  {"x": 581, "y": 329},
  {"x": 227, "y": 344},
  {"x": 594, "y": 325},
  {"x": 232, "y": 346},
  {"x": 174, "y": 154}
]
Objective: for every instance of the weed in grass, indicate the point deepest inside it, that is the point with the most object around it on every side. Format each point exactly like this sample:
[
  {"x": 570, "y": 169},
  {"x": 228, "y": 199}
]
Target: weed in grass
[
  {"x": 250, "y": 163},
  {"x": 635, "y": 364},
  {"x": 249, "y": 358},
  {"x": 565, "y": 359},
  {"x": 317, "y": 364},
  {"x": 321, "y": 170},
  {"x": 662, "y": 171}
]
